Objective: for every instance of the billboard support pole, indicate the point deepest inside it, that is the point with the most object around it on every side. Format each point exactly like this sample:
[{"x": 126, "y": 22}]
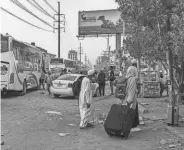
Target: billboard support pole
[{"x": 80, "y": 53}]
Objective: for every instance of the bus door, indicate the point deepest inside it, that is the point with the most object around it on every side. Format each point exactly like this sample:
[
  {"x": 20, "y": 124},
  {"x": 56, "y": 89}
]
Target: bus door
[{"x": 4, "y": 75}]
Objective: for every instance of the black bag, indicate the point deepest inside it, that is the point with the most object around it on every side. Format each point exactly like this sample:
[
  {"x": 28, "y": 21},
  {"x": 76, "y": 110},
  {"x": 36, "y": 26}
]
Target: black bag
[
  {"x": 119, "y": 120},
  {"x": 76, "y": 88},
  {"x": 121, "y": 85}
]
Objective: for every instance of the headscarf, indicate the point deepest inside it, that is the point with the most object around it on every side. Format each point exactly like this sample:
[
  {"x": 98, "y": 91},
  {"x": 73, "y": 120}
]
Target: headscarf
[{"x": 131, "y": 72}]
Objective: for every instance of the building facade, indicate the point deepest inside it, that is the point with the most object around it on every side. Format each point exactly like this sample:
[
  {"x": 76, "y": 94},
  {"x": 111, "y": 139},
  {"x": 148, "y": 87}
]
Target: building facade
[{"x": 72, "y": 55}]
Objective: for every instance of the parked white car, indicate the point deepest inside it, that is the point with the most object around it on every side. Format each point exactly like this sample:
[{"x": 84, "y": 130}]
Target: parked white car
[{"x": 62, "y": 86}]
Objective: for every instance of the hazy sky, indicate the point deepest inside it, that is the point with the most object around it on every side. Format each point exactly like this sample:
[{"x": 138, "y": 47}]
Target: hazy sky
[{"x": 24, "y": 32}]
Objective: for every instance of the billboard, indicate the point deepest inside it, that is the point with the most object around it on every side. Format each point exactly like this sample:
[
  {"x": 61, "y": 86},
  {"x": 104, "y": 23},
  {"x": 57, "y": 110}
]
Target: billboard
[{"x": 100, "y": 22}]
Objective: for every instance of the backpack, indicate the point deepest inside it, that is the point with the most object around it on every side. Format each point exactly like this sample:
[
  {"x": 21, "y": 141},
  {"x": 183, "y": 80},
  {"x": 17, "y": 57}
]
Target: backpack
[
  {"x": 121, "y": 85},
  {"x": 76, "y": 88}
]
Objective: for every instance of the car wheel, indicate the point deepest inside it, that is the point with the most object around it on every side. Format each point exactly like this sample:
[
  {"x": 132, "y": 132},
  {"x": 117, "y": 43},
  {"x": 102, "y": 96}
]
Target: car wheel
[{"x": 56, "y": 95}]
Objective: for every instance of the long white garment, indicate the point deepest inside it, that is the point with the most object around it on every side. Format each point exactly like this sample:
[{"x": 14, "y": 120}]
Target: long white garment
[{"x": 84, "y": 98}]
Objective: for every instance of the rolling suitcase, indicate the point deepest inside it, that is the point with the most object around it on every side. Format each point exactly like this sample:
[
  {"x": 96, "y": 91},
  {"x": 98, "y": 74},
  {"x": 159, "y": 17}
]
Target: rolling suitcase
[
  {"x": 172, "y": 115},
  {"x": 119, "y": 120}
]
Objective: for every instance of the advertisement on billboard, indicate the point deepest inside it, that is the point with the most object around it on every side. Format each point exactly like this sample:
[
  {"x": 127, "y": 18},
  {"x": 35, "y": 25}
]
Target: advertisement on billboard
[{"x": 100, "y": 22}]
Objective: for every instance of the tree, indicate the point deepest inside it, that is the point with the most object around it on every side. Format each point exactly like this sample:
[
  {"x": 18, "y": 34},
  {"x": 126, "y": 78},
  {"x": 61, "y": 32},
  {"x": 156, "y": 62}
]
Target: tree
[{"x": 153, "y": 24}]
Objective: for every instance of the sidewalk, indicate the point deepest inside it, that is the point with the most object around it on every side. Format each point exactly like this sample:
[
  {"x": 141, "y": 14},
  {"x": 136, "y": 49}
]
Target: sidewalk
[{"x": 157, "y": 110}]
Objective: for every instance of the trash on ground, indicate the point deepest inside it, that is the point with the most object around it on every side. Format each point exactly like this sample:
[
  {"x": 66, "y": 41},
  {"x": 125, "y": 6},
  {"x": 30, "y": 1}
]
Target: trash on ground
[
  {"x": 42, "y": 93},
  {"x": 72, "y": 125},
  {"x": 144, "y": 103},
  {"x": 53, "y": 112},
  {"x": 100, "y": 121},
  {"x": 172, "y": 146},
  {"x": 163, "y": 142},
  {"x": 154, "y": 129},
  {"x": 140, "y": 118},
  {"x": 142, "y": 122},
  {"x": 97, "y": 110},
  {"x": 63, "y": 134},
  {"x": 135, "y": 129},
  {"x": 61, "y": 118},
  {"x": 2, "y": 143}
]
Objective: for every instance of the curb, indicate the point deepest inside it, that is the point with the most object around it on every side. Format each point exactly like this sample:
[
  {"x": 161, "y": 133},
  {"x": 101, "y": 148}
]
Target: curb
[{"x": 175, "y": 132}]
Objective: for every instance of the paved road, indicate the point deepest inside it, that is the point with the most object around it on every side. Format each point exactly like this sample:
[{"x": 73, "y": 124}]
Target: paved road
[{"x": 26, "y": 125}]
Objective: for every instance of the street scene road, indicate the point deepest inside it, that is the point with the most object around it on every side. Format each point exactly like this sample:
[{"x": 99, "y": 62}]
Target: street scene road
[
  {"x": 92, "y": 75},
  {"x": 37, "y": 121}
]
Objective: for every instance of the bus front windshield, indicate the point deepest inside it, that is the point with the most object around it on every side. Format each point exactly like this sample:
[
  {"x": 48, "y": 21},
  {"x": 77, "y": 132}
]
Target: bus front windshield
[{"x": 4, "y": 44}]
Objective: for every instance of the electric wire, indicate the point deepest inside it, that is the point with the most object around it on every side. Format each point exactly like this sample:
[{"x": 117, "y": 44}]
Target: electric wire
[
  {"x": 42, "y": 8},
  {"x": 28, "y": 11},
  {"x": 50, "y": 5},
  {"x": 35, "y": 6},
  {"x": 3, "y": 9}
]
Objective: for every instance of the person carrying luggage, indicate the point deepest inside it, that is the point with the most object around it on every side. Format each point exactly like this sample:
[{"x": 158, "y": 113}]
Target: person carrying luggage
[
  {"x": 124, "y": 116},
  {"x": 101, "y": 82},
  {"x": 131, "y": 97}
]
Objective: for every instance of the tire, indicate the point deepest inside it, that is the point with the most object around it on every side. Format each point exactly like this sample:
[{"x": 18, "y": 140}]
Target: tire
[{"x": 56, "y": 95}]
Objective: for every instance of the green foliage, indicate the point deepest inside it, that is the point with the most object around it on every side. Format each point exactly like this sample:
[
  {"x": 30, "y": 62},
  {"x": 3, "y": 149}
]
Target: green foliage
[{"x": 148, "y": 27}]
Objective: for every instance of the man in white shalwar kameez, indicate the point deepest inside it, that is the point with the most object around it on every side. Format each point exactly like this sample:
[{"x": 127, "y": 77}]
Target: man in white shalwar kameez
[{"x": 85, "y": 99}]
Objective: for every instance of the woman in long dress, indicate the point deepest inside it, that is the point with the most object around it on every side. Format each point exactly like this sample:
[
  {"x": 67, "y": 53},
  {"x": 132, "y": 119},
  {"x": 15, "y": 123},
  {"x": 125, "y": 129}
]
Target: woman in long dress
[
  {"x": 131, "y": 97},
  {"x": 85, "y": 99}
]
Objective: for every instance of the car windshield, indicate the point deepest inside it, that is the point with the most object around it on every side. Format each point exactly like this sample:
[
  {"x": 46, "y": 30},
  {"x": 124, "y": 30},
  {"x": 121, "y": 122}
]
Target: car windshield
[{"x": 67, "y": 77}]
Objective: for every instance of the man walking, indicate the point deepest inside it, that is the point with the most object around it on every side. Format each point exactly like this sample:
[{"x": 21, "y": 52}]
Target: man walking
[
  {"x": 112, "y": 78},
  {"x": 85, "y": 98},
  {"x": 101, "y": 82},
  {"x": 42, "y": 80}
]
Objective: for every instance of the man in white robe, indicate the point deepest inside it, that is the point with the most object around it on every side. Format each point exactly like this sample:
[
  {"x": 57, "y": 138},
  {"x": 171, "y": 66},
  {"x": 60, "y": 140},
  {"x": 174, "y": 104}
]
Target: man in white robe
[{"x": 85, "y": 99}]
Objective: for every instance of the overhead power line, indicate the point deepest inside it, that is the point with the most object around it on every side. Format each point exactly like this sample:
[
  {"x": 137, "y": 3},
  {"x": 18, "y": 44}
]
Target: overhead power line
[
  {"x": 50, "y": 5},
  {"x": 31, "y": 3},
  {"x": 23, "y": 20},
  {"x": 20, "y": 5},
  {"x": 42, "y": 8}
]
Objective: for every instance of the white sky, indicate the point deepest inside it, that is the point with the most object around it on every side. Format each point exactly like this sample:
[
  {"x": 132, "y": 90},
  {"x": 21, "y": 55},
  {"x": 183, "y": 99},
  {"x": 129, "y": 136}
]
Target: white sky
[{"x": 93, "y": 47}]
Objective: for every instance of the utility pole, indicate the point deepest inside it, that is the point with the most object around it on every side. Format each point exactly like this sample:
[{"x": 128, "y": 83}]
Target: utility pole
[
  {"x": 59, "y": 21},
  {"x": 80, "y": 53}
]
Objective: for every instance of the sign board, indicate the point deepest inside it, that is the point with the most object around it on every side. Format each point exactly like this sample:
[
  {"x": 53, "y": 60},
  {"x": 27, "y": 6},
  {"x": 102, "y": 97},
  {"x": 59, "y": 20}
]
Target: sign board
[{"x": 100, "y": 22}]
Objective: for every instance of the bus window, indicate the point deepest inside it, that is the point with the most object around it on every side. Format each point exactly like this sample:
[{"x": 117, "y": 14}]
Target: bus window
[
  {"x": 15, "y": 53},
  {"x": 18, "y": 53},
  {"x": 4, "y": 44}
]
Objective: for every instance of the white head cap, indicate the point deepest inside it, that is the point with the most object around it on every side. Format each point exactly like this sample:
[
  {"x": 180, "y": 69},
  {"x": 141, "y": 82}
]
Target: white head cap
[
  {"x": 134, "y": 61},
  {"x": 91, "y": 72}
]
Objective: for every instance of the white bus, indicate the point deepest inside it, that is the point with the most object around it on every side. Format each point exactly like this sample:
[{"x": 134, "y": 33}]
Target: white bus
[{"x": 21, "y": 65}]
